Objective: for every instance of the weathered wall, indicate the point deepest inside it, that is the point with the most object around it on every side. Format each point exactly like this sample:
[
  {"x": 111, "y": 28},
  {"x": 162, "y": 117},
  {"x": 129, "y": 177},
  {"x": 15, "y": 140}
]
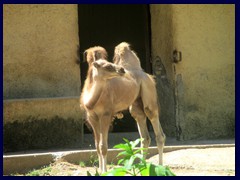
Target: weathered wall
[
  {"x": 42, "y": 124},
  {"x": 205, "y": 79},
  {"x": 41, "y": 80},
  {"x": 39, "y": 51},
  {"x": 205, "y": 34}
]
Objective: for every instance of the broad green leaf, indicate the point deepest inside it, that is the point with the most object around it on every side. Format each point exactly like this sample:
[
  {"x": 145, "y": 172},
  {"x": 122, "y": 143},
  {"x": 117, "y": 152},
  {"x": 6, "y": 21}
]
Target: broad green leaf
[
  {"x": 145, "y": 170},
  {"x": 135, "y": 143},
  {"x": 160, "y": 170},
  {"x": 115, "y": 172},
  {"x": 139, "y": 150},
  {"x": 128, "y": 143},
  {"x": 140, "y": 156},
  {"x": 169, "y": 172},
  {"x": 126, "y": 140},
  {"x": 121, "y": 146},
  {"x": 121, "y": 161},
  {"x": 129, "y": 163},
  {"x": 124, "y": 147},
  {"x": 124, "y": 153}
]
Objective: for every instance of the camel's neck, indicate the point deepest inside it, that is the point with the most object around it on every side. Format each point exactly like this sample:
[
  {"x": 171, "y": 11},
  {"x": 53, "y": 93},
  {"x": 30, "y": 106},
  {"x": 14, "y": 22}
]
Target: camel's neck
[
  {"x": 95, "y": 87},
  {"x": 94, "y": 94},
  {"x": 89, "y": 78}
]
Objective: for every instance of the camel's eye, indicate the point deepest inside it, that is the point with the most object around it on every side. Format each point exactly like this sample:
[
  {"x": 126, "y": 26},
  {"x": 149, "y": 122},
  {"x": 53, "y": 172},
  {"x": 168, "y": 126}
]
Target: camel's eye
[{"x": 109, "y": 67}]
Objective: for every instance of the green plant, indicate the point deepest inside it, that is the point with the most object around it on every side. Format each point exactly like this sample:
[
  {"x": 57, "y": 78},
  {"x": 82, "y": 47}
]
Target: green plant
[
  {"x": 82, "y": 164},
  {"x": 93, "y": 160},
  {"x": 45, "y": 171},
  {"x": 134, "y": 164}
]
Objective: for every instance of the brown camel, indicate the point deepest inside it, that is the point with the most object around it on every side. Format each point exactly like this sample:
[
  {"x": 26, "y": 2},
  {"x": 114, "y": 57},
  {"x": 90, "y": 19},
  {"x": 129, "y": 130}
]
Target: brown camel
[{"x": 106, "y": 92}]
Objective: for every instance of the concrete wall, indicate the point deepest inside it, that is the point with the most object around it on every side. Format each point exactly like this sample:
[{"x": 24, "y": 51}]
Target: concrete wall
[
  {"x": 39, "y": 51},
  {"x": 205, "y": 78},
  {"x": 41, "y": 80}
]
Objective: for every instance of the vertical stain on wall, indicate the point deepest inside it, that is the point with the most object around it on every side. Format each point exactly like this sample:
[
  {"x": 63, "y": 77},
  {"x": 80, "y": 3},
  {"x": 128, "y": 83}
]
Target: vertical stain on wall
[
  {"x": 179, "y": 97},
  {"x": 166, "y": 98}
]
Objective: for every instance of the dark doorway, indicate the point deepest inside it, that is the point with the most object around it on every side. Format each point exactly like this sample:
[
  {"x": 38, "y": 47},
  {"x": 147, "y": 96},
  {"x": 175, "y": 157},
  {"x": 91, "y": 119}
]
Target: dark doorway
[{"x": 109, "y": 25}]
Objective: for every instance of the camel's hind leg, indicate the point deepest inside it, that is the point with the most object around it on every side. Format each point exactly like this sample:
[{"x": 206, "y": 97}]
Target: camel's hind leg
[
  {"x": 153, "y": 115},
  {"x": 150, "y": 106},
  {"x": 138, "y": 114}
]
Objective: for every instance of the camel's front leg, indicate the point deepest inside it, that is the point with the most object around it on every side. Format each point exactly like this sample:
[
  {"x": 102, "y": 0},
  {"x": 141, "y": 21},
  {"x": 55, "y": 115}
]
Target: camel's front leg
[
  {"x": 105, "y": 122},
  {"x": 96, "y": 130},
  {"x": 97, "y": 142}
]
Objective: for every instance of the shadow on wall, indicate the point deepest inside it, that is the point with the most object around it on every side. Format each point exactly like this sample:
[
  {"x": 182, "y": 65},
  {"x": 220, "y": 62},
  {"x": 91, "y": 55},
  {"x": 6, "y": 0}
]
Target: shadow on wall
[
  {"x": 41, "y": 134},
  {"x": 165, "y": 92}
]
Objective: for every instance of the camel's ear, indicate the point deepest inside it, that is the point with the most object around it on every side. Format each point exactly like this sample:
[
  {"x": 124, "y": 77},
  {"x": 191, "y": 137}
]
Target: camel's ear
[{"x": 95, "y": 64}]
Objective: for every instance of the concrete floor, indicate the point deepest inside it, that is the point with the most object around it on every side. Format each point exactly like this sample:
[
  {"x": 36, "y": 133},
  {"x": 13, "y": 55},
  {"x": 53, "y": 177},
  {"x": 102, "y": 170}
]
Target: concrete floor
[{"x": 26, "y": 160}]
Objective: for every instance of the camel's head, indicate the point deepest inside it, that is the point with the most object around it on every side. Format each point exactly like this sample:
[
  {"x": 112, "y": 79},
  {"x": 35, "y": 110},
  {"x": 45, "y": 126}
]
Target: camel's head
[
  {"x": 106, "y": 70},
  {"x": 95, "y": 53}
]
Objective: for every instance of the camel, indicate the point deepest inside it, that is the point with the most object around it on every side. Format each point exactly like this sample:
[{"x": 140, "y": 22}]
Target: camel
[
  {"x": 104, "y": 97},
  {"x": 107, "y": 92},
  {"x": 146, "y": 105}
]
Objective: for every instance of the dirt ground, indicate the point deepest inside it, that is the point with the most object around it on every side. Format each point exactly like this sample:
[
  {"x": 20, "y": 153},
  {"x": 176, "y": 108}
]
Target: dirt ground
[
  {"x": 201, "y": 162},
  {"x": 186, "y": 162}
]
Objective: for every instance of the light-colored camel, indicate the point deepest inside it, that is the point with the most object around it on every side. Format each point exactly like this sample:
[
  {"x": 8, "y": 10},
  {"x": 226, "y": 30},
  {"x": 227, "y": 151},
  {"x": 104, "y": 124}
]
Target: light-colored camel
[
  {"x": 146, "y": 105},
  {"x": 105, "y": 95}
]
